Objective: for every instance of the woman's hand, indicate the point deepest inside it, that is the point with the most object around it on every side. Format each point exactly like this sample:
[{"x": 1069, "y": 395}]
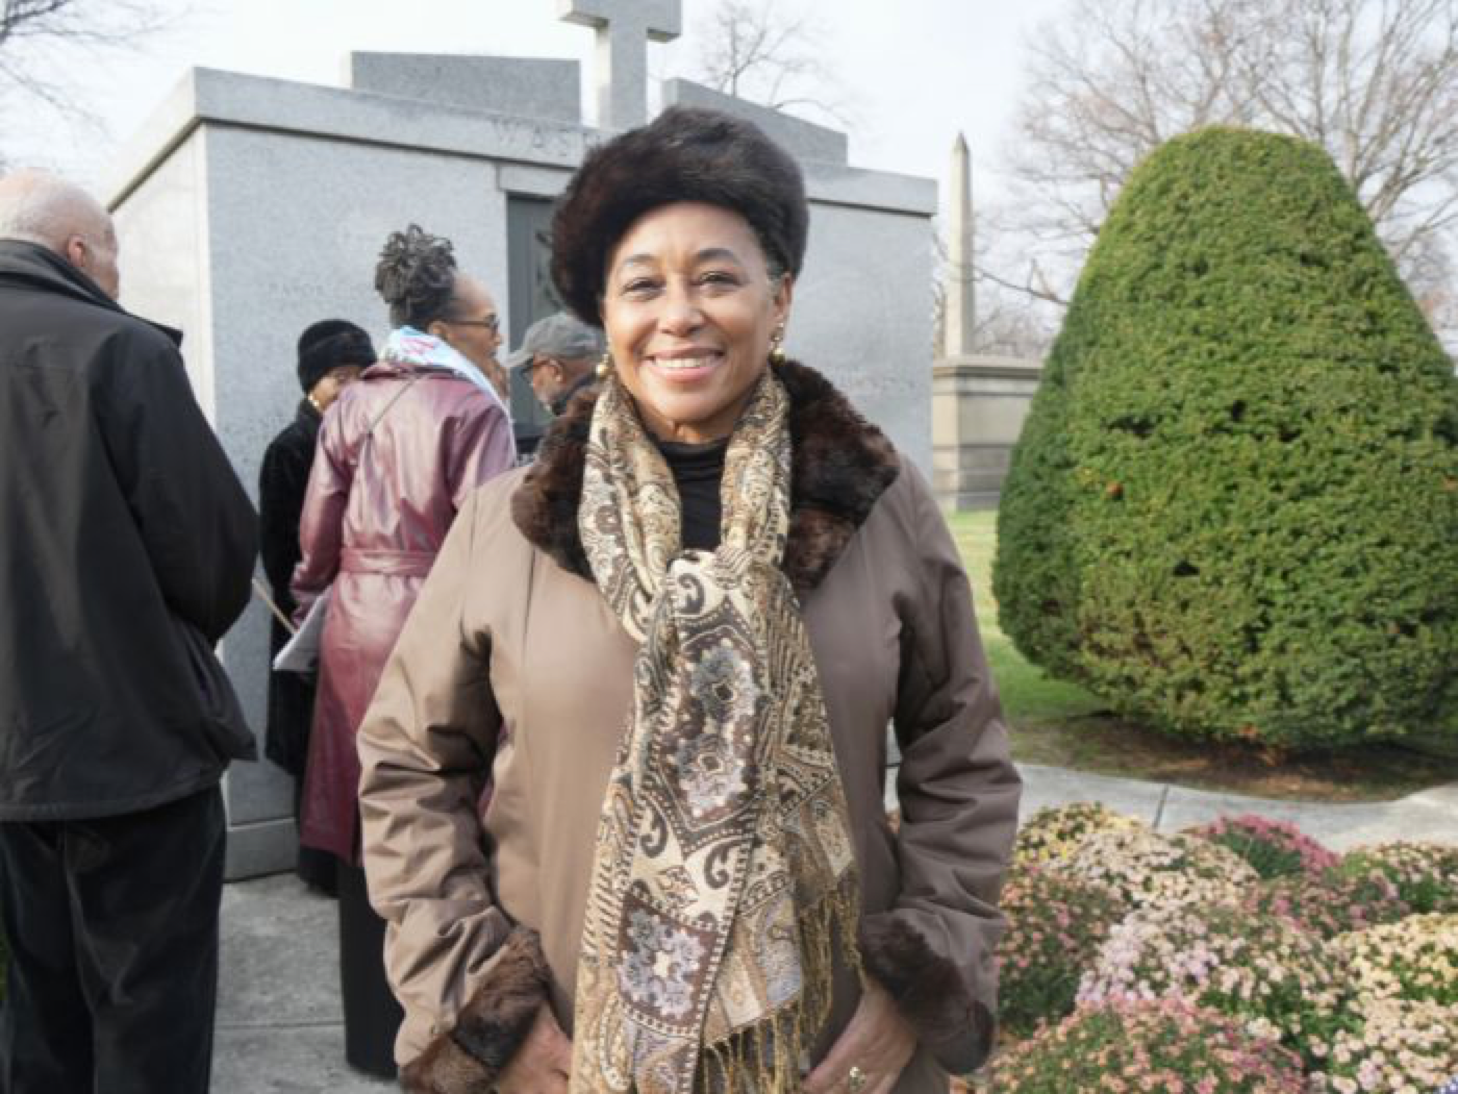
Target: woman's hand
[
  {"x": 877, "y": 1042},
  {"x": 543, "y": 1061}
]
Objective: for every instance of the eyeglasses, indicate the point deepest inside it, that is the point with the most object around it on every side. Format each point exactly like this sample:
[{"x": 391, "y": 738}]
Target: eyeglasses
[{"x": 492, "y": 323}]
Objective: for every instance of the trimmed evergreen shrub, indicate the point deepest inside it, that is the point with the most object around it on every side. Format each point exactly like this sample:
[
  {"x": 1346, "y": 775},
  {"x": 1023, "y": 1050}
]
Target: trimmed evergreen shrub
[{"x": 1233, "y": 511}]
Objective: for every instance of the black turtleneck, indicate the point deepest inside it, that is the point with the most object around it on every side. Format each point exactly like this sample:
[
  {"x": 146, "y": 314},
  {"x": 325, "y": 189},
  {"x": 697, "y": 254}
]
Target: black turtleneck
[{"x": 697, "y": 471}]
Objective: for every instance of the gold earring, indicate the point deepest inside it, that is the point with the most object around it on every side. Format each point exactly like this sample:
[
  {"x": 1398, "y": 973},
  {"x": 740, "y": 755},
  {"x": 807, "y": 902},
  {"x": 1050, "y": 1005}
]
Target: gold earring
[
  {"x": 605, "y": 365},
  {"x": 777, "y": 347}
]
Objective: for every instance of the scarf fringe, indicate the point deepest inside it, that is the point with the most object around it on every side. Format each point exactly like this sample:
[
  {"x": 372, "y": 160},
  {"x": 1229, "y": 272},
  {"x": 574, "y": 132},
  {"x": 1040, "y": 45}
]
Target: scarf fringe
[{"x": 771, "y": 1056}]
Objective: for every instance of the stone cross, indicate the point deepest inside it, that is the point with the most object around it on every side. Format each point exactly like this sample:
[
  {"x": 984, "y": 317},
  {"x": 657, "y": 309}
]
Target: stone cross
[
  {"x": 623, "y": 28},
  {"x": 961, "y": 304}
]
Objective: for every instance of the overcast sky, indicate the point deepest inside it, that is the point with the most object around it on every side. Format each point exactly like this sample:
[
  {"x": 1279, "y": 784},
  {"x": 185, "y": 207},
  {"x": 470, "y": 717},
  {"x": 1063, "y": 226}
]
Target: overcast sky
[{"x": 917, "y": 71}]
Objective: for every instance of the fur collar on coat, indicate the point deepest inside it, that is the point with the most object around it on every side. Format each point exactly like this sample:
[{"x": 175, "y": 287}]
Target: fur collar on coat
[{"x": 841, "y": 464}]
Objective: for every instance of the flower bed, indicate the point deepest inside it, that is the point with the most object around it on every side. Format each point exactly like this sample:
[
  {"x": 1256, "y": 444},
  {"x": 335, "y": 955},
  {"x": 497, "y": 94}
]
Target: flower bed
[
  {"x": 1282, "y": 982},
  {"x": 1333, "y": 901},
  {"x": 1414, "y": 959},
  {"x": 1272, "y": 848},
  {"x": 1146, "y": 868},
  {"x": 1400, "y": 1046},
  {"x": 1425, "y": 874},
  {"x": 1055, "y": 832},
  {"x": 1232, "y": 957},
  {"x": 1148, "y": 1046},
  {"x": 1055, "y": 928}
]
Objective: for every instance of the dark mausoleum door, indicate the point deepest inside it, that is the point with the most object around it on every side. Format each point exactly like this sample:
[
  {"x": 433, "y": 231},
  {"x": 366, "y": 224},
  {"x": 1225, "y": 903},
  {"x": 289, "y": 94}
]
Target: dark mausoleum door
[{"x": 528, "y": 224}]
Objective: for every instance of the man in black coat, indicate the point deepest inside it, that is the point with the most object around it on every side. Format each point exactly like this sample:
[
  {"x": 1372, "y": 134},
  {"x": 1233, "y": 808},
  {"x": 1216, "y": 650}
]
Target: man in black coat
[
  {"x": 331, "y": 353},
  {"x": 126, "y": 552}
]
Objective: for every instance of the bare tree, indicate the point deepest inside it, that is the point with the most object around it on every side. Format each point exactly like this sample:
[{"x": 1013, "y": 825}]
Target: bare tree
[
  {"x": 768, "y": 53},
  {"x": 1007, "y": 323},
  {"x": 38, "y": 36},
  {"x": 1373, "y": 81}
]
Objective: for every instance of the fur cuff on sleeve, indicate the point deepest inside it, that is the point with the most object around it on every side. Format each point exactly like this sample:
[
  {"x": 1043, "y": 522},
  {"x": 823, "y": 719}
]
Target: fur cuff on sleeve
[
  {"x": 931, "y": 993},
  {"x": 490, "y": 1027}
]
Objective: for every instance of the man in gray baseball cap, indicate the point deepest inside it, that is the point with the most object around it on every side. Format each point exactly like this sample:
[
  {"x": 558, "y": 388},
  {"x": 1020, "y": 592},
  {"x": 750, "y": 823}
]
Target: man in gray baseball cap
[{"x": 558, "y": 356}]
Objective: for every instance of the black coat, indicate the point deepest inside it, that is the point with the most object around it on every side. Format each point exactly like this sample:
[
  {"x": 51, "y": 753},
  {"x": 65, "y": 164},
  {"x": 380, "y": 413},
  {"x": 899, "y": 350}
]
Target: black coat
[
  {"x": 282, "y": 482},
  {"x": 127, "y": 551}
]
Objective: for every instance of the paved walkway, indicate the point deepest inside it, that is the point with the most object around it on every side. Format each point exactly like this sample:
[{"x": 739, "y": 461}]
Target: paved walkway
[{"x": 279, "y": 1025}]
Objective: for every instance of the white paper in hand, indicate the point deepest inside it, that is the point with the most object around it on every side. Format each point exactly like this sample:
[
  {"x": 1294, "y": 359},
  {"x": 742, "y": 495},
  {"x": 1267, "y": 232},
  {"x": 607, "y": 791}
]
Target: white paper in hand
[{"x": 301, "y": 653}]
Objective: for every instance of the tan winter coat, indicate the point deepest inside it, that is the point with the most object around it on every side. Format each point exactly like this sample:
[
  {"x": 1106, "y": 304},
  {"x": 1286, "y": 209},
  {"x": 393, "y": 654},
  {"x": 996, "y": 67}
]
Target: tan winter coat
[{"x": 512, "y": 665}]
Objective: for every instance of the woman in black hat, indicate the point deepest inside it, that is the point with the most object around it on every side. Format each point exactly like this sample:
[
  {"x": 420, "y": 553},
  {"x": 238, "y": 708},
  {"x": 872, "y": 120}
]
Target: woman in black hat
[
  {"x": 665, "y": 656},
  {"x": 331, "y": 354}
]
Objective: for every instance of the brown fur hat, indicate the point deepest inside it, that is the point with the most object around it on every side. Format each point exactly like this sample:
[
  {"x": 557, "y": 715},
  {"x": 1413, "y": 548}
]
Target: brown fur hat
[{"x": 686, "y": 154}]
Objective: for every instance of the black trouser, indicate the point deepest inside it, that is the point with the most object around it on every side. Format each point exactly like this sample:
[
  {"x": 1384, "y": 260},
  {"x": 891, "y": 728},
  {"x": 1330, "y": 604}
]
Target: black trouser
[
  {"x": 315, "y": 867},
  {"x": 372, "y": 1016},
  {"x": 113, "y": 931}
]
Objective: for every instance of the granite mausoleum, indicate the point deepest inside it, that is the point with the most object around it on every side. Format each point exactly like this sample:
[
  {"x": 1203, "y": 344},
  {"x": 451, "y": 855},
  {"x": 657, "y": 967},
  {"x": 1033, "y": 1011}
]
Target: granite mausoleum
[{"x": 250, "y": 207}]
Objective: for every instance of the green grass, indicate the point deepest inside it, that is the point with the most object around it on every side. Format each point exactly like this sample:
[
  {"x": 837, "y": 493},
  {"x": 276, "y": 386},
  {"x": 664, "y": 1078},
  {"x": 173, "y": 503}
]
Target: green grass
[
  {"x": 1056, "y": 722},
  {"x": 1027, "y": 692}
]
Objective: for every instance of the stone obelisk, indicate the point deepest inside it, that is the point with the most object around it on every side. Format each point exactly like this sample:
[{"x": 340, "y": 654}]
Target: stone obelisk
[
  {"x": 979, "y": 400},
  {"x": 961, "y": 304}
]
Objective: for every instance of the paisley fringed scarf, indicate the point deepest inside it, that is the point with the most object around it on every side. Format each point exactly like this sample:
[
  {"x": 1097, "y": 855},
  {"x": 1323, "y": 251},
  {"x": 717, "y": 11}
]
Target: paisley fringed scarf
[{"x": 724, "y": 880}]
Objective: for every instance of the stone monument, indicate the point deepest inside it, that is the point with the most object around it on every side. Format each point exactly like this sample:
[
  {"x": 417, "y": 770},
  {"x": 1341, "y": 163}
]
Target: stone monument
[
  {"x": 250, "y": 207},
  {"x": 979, "y": 401},
  {"x": 623, "y": 30}
]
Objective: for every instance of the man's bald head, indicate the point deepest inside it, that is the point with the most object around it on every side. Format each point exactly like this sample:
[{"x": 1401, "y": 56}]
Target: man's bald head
[{"x": 61, "y": 217}]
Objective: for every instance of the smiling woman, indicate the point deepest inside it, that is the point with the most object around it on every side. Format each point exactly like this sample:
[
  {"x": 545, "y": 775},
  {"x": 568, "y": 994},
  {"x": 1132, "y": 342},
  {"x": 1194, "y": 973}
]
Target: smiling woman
[
  {"x": 691, "y": 308},
  {"x": 670, "y": 649}
]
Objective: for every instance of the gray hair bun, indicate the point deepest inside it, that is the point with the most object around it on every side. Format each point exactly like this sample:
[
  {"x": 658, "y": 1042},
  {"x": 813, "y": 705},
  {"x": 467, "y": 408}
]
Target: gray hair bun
[{"x": 416, "y": 276}]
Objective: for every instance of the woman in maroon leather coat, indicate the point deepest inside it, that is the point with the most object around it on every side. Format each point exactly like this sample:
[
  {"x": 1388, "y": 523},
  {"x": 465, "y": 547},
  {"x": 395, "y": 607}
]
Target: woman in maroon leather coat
[{"x": 398, "y": 454}]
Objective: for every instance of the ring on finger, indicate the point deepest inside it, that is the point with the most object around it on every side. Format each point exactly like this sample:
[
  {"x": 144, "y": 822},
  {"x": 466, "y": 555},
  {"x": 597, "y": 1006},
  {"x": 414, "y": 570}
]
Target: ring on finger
[{"x": 855, "y": 1079}]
